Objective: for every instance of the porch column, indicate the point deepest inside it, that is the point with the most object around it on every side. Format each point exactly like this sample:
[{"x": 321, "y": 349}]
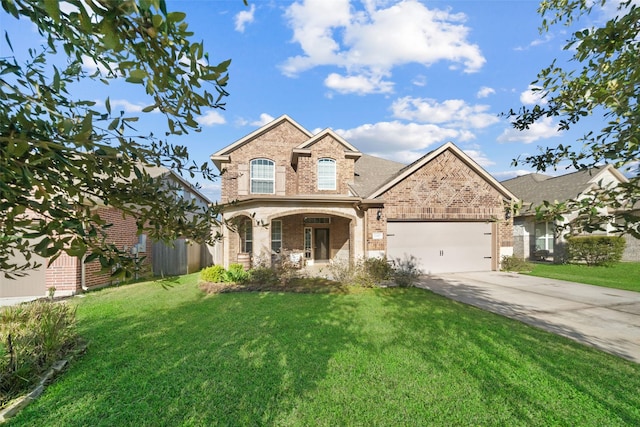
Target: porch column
[
  {"x": 226, "y": 235},
  {"x": 262, "y": 243}
]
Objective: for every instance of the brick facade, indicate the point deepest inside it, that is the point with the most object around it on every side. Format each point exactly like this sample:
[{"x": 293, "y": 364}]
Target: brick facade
[
  {"x": 275, "y": 145},
  {"x": 65, "y": 273},
  {"x": 445, "y": 187},
  {"x": 307, "y": 176}
]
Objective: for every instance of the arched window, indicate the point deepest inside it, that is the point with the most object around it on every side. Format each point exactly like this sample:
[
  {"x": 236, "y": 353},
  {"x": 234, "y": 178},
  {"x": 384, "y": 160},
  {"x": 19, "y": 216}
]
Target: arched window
[
  {"x": 326, "y": 174},
  {"x": 262, "y": 176}
]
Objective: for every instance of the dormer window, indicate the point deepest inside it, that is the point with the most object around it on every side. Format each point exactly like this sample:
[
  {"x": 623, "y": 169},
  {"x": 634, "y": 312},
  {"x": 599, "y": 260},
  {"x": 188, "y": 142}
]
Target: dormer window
[
  {"x": 326, "y": 174},
  {"x": 262, "y": 176}
]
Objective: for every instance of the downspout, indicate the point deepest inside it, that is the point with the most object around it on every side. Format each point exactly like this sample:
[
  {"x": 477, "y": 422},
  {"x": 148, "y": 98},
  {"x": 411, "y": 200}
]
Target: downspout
[
  {"x": 83, "y": 275},
  {"x": 365, "y": 220}
]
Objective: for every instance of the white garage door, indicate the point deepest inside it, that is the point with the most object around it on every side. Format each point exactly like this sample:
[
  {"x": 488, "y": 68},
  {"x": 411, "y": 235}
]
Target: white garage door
[{"x": 442, "y": 247}]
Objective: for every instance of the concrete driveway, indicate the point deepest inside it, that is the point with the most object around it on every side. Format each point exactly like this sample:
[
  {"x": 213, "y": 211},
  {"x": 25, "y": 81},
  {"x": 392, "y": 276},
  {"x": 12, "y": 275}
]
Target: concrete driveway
[{"x": 605, "y": 318}]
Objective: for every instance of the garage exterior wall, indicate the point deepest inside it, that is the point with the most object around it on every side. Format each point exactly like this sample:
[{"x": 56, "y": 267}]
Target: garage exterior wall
[{"x": 444, "y": 189}]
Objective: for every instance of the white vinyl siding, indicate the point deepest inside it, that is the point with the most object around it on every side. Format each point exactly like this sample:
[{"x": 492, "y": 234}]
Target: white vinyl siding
[
  {"x": 326, "y": 174},
  {"x": 262, "y": 176}
]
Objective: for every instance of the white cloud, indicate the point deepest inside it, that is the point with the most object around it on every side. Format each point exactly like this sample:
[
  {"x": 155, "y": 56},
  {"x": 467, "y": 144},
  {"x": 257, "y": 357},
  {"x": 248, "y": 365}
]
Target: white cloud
[
  {"x": 532, "y": 96},
  {"x": 210, "y": 118},
  {"x": 211, "y": 189},
  {"x": 399, "y": 141},
  {"x": 485, "y": 91},
  {"x": 245, "y": 17},
  {"x": 359, "y": 84},
  {"x": 371, "y": 41},
  {"x": 420, "y": 80},
  {"x": 511, "y": 173},
  {"x": 452, "y": 112},
  {"x": 481, "y": 158},
  {"x": 537, "y": 42},
  {"x": 91, "y": 66},
  {"x": 124, "y": 105},
  {"x": 263, "y": 120},
  {"x": 543, "y": 128}
]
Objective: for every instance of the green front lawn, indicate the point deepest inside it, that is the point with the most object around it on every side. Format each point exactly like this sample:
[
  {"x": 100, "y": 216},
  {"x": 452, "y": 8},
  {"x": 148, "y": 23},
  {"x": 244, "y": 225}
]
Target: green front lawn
[
  {"x": 624, "y": 275},
  {"x": 163, "y": 353}
]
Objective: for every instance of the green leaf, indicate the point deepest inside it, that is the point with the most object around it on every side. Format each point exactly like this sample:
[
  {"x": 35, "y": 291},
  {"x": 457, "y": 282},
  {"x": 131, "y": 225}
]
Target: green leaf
[
  {"x": 107, "y": 104},
  {"x": 6, "y": 37},
  {"x": 157, "y": 20},
  {"x": 114, "y": 123},
  {"x": 176, "y": 17},
  {"x": 53, "y": 9},
  {"x": 21, "y": 147}
]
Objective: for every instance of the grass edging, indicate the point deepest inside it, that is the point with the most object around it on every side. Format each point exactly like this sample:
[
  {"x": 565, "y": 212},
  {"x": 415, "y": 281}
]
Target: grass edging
[{"x": 19, "y": 403}]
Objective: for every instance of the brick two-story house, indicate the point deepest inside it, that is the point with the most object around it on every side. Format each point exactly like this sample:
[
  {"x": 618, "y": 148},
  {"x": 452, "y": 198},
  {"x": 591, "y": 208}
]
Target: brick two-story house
[
  {"x": 319, "y": 196},
  {"x": 70, "y": 275}
]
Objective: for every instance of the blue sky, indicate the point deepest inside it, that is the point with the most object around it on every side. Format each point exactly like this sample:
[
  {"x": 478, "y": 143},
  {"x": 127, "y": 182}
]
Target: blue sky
[{"x": 395, "y": 78}]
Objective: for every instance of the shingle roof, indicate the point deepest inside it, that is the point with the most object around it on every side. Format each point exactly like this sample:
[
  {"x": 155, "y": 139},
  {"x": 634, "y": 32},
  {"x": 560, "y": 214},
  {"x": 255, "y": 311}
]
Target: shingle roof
[
  {"x": 371, "y": 172},
  {"x": 535, "y": 188}
]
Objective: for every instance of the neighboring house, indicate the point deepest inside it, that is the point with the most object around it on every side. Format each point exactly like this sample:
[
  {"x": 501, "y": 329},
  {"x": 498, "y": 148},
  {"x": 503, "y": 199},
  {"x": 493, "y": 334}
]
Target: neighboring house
[
  {"x": 321, "y": 198},
  {"x": 535, "y": 239},
  {"x": 69, "y": 275}
]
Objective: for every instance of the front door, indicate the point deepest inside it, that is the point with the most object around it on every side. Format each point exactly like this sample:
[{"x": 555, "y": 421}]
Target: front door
[{"x": 321, "y": 240}]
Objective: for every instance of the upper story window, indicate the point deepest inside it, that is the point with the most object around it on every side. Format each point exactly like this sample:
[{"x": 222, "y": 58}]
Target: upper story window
[
  {"x": 262, "y": 176},
  {"x": 326, "y": 174}
]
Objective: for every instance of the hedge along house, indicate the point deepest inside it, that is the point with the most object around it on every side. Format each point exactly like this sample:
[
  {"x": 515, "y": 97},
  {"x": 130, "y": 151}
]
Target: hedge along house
[
  {"x": 70, "y": 275},
  {"x": 321, "y": 198},
  {"x": 539, "y": 239}
]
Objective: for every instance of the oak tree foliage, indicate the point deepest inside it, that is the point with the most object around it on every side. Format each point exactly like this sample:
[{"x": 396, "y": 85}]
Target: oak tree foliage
[
  {"x": 602, "y": 79},
  {"x": 62, "y": 154}
]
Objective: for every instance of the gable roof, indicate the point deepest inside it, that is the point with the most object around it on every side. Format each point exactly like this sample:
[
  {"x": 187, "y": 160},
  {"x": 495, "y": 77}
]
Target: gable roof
[
  {"x": 303, "y": 149},
  {"x": 317, "y": 137},
  {"x": 222, "y": 155},
  {"x": 371, "y": 172},
  {"x": 533, "y": 189},
  {"x": 161, "y": 171},
  {"x": 413, "y": 167}
]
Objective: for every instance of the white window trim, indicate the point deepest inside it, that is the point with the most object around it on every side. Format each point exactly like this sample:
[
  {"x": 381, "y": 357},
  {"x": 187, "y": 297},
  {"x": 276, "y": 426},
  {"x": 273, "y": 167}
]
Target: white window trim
[
  {"x": 276, "y": 240},
  {"x": 308, "y": 243},
  {"x": 548, "y": 235},
  {"x": 334, "y": 178},
  {"x": 247, "y": 225},
  {"x": 272, "y": 179}
]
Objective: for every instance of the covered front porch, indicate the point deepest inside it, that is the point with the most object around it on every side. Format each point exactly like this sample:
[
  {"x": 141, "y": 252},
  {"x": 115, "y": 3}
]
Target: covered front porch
[{"x": 310, "y": 237}]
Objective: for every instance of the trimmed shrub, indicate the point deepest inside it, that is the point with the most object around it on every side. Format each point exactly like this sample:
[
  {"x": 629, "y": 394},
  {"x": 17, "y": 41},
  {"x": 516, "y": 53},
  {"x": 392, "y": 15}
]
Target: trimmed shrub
[
  {"x": 595, "y": 250},
  {"x": 341, "y": 271},
  {"x": 514, "y": 263},
  {"x": 213, "y": 274},
  {"x": 33, "y": 335},
  {"x": 406, "y": 271},
  {"x": 263, "y": 276},
  {"x": 236, "y": 274},
  {"x": 378, "y": 269}
]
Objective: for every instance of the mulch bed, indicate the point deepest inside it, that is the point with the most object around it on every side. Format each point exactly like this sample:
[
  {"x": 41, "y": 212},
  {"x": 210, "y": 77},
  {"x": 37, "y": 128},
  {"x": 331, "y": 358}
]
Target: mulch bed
[{"x": 302, "y": 286}]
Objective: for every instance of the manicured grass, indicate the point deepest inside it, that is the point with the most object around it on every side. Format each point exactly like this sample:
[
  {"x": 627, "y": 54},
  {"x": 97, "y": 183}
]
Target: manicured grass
[
  {"x": 163, "y": 353},
  {"x": 624, "y": 275}
]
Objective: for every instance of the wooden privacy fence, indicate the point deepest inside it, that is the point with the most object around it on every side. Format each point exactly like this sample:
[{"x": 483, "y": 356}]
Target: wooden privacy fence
[{"x": 181, "y": 258}]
